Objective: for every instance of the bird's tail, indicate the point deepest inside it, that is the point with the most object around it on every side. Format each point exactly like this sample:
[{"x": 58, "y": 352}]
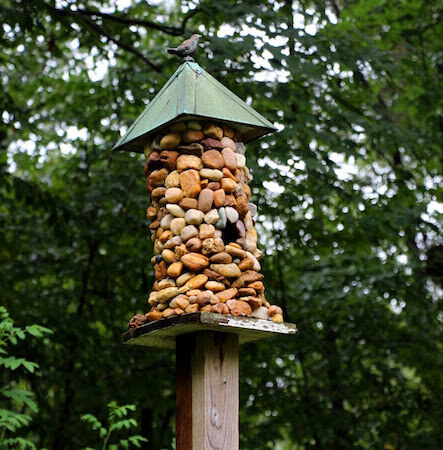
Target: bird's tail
[{"x": 173, "y": 51}]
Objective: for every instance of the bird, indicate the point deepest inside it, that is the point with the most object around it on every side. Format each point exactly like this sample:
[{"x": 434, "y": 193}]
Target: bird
[{"x": 185, "y": 49}]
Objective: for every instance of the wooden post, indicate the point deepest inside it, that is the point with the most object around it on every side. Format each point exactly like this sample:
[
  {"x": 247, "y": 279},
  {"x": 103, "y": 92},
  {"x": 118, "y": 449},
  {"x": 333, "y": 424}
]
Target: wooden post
[{"x": 207, "y": 391}]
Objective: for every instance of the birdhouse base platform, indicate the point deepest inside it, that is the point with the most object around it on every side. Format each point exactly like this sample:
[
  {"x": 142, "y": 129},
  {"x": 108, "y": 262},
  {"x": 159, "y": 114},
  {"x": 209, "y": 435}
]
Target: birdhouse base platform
[{"x": 163, "y": 333}]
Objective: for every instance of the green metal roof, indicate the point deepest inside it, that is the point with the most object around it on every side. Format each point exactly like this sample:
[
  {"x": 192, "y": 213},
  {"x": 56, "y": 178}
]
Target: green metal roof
[{"x": 191, "y": 93}]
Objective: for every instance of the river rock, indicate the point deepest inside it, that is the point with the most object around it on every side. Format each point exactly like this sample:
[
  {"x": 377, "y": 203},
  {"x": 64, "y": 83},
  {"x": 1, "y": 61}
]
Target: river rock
[
  {"x": 190, "y": 183},
  {"x": 195, "y": 262},
  {"x": 227, "y": 270},
  {"x": 213, "y": 159},
  {"x": 194, "y": 216},
  {"x": 210, "y": 143},
  {"x": 190, "y": 136},
  {"x": 173, "y": 180},
  {"x": 175, "y": 210},
  {"x": 235, "y": 250},
  {"x": 166, "y": 221},
  {"x": 178, "y": 127},
  {"x": 188, "y": 232},
  {"x": 212, "y": 216},
  {"x": 191, "y": 149},
  {"x": 213, "y": 131},
  {"x": 173, "y": 195},
  {"x": 168, "y": 256},
  {"x": 175, "y": 269},
  {"x": 229, "y": 158},
  {"x": 195, "y": 282},
  {"x": 177, "y": 225},
  {"x": 260, "y": 313},
  {"x": 241, "y": 160},
  {"x": 173, "y": 242},
  {"x": 214, "y": 286},
  {"x": 211, "y": 174},
  {"x": 157, "y": 177},
  {"x": 188, "y": 203},
  {"x": 227, "y": 142},
  {"x": 194, "y": 245},
  {"x": 205, "y": 200},
  {"x": 239, "y": 308},
  {"x": 219, "y": 198},
  {"x": 194, "y": 125},
  {"x": 222, "y": 219},
  {"x": 169, "y": 159},
  {"x": 221, "y": 258},
  {"x": 170, "y": 141},
  {"x": 206, "y": 231},
  {"x": 231, "y": 214},
  {"x": 211, "y": 246},
  {"x": 226, "y": 295},
  {"x": 228, "y": 185},
  {"x": 185, "y": 162}
]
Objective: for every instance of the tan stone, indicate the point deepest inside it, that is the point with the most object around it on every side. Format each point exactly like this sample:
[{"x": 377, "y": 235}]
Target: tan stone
[
  {"x": 173, "y": 195},
  {"x": 206, "y": 231},
  {"x": 183, "y": 279},
  {"x": 257, "y": 286},
  {"x": 219, "y": 198},
  {"x": 165, "y": 294},
  {"x": 211, "y": 246},
  {"x": 173, "y": 180},
  {"x": 180, "y": 250},
  {"x": 228, "y": 174},
  {"x": 177, "y": 225},
  {"x": 169, "y": 312},
  {"x": 195, "y": 283},
  {"x": 213, "y": 159},
  {"x": 166, "y": 235},
  {"x": 214, "y": 286},
  {"x": 192, "y": 136},
  {"x": 165, "y": 283},
  {"x": 227, "y": 142},
  {"x": 181, "y": 301},
  {"x": 239, "y": 308},
  {"x": 235, "y": 250},
  {"x": 227, "y": 270},
  {"x": 190, "y": 183},
  {"x": 194, "y": 245},
  {"x": 221, "y": 258},
  {"x": 274, "y": 309},
  {"x": 195, "y": 261},
  {"x": 157, "y": 177},
  {"x": 228, "y": 185},
  {"x": 213, "y": 131},
  {"x": 229, "y": 158},
  {"x": 205, "y": 200},
  {"x": 188, "y": 203},
  {"x": 278, "y": 318},
  {"x": 170, "y": 141},
  {"x": 206, "y": 309},
  {"x": 245, "y": 264},
  {"x": 211, "y": 174},
  {"x": 168, "y": 256},
  {"x": 192, "y": 308},
  {"x": 185, "y": 162}
]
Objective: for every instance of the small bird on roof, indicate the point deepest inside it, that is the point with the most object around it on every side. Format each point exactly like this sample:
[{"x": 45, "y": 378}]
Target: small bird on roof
[{"x": 186, "y": 49}]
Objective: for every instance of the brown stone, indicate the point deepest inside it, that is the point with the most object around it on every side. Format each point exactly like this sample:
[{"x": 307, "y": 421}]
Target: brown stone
[
  {"x": 206, "y": 309},
  {"x": 247, "y": 191},
  {"x": 169, "y": 159},
  {"x": 160, "y": 270},
  {"x": 210, "y": 143},
  {"x": 213, "y": 131},
  {"x": 247, "y": 292},
  {"x": 194, "y": 245},
  {"x": 228, "y": 131},
  {"x": 190, "y": 183},
  {"x": 180, "y": 250},
  {"x": 229, "y": 159},
  {"x": 250, "y": 275},
  {"x": 238, "y": 283},
  {"x": 204, "y": 298},
  {"x": 157, "y": 178},
  {"x": 153, "y": 162},
  {"x": 235, "y": 250},
  {"x": 254, "y": 302},
  {"x": 211, "y": 246},
  {"x": 278, "y": 318},
  {"x": 227, "y": 294},
  {"x": 188, "y": 203},
  {"x": 191, "y": 149},
  {"x": 151, "y": 212},
  {"x": 190, "y": 136},
  {"x": 137, "y": 320},
  {"x": 169, "y": 312},
  {"x": 181, "y": 301},
  {"x": 218, "y": 308},
  {"x": 183, "y": 279},
  {"x": 185, "y": 162},
  {"x": 228, "y": 185},
  {"x": 228, "y": 174},
  {"x": 212, "y": 275},
  {"x": 154, "y": 314},
  {"x": 246, "y": 264},
  {"x": 239, "y": 308},
  {"x": 205, "y": 200},
  {"x": 219, "y": 198},
  {"x": 170, "y": 141},
  {"x": 242, "y": 205},
  {"x": 173, "y": 180},
  {"x": 213, "y": 159},
  {"x": 195, "y": 283},
  {"x": 157, "y": 193},
  {"x": 221, "y": 258},
  {"x": 257, "y": 286},
  {"x": 195, "y": 261},
  {"x": 192, "y": 308}
]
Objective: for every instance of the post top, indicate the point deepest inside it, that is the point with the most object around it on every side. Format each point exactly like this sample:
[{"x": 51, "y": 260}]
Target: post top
[
  {"x": 162, "y": 333},
  {"x": 193, "y": 94}
]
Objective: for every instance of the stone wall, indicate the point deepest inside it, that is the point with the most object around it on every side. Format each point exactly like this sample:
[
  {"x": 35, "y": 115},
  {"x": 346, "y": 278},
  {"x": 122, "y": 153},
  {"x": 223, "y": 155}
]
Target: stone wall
[{"x": 202, "y": 225}]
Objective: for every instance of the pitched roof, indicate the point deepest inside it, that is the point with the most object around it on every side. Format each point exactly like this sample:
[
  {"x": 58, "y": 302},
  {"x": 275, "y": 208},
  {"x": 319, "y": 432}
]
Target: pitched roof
[{"x": 191, "y": 93}]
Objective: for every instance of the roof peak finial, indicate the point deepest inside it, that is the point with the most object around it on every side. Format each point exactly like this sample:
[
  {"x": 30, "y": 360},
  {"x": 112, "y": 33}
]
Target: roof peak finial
[{"x": 187, "y": 48}]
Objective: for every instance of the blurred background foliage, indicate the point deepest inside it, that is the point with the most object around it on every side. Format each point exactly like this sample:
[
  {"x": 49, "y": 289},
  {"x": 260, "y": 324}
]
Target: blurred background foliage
[{"x": 347, "y": 192}]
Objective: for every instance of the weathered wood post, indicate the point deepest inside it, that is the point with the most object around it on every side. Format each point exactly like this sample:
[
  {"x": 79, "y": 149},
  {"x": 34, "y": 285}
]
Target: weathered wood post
[{"x": 208, "y": 296}]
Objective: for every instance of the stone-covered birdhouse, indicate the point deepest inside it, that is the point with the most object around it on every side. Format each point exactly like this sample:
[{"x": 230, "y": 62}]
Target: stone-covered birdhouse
[{"x": 206, "y": 257}]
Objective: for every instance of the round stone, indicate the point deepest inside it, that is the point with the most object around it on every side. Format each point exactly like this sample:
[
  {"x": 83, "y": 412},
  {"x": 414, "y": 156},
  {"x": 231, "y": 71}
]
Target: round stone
[
  {"x": 206, "y": 231},
  {"x": 192, "y": 136},
  {"x": 231, "y": 214},
  {"x": 211, "y": 174},
  {"x": 175, "y": 210},
  {"x": 190, "y": 183},
  {"x": 173, "y": 195},
  {"x": 213, "y": 159},
  {"x": 194, "y": 125},
  {"x": 194, "y": 245},
  {"x": 170, "y": 141},
  {"x": 194, "y": 216},
  {"x": 229, "y": 159},
  {"x": 205, "y": 200},
  {"x": 221, "y": 258},
  {"x": 219, "y": 198},
  {"x": 188, "y": 232},
  {"x": 173, "y": 242},
  {"x": 173, "y": 179},
  {"x": 189, "y": 203},
  {"x": 213, "y": 131},
  {"x": 177, "y": 225},
  {"x": 227, "y": 270},
  {"x": 228, "y": 143}
]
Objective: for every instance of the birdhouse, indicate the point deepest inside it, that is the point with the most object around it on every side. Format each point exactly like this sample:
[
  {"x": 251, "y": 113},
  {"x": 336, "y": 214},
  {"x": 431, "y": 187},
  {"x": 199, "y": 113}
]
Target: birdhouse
[{"x": 209, "y": 292}]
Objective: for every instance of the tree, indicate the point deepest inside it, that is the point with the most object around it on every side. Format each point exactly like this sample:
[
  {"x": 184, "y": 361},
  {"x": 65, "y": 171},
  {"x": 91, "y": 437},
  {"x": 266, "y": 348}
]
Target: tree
[{"x": 346, "y": 194}]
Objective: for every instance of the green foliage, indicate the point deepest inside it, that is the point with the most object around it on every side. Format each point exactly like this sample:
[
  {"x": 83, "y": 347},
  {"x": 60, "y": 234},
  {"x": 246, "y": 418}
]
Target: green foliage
[
  {"x": 117, "y": 421},
  {"x": 347, "y": 194},
  {"x": 16, "y": 403}
]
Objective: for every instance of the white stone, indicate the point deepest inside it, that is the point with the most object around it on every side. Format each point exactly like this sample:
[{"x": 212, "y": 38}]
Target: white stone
[
  {"x": 166, "y": 221},
  {"x": 188, "y": 232},
  {"x": 257, "y": 265},
  {"x": 175, "y": 210},
  {"x": 241, "y": 160},
  {"x": 260, "y": 313},
  {"x": 231, "y": 214},
  {"x": 211, "y": 174},
  {"x": 194, "y": 216},
  {"x": 212, "y": 216},
  {"x": 218, "y": 234}
]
